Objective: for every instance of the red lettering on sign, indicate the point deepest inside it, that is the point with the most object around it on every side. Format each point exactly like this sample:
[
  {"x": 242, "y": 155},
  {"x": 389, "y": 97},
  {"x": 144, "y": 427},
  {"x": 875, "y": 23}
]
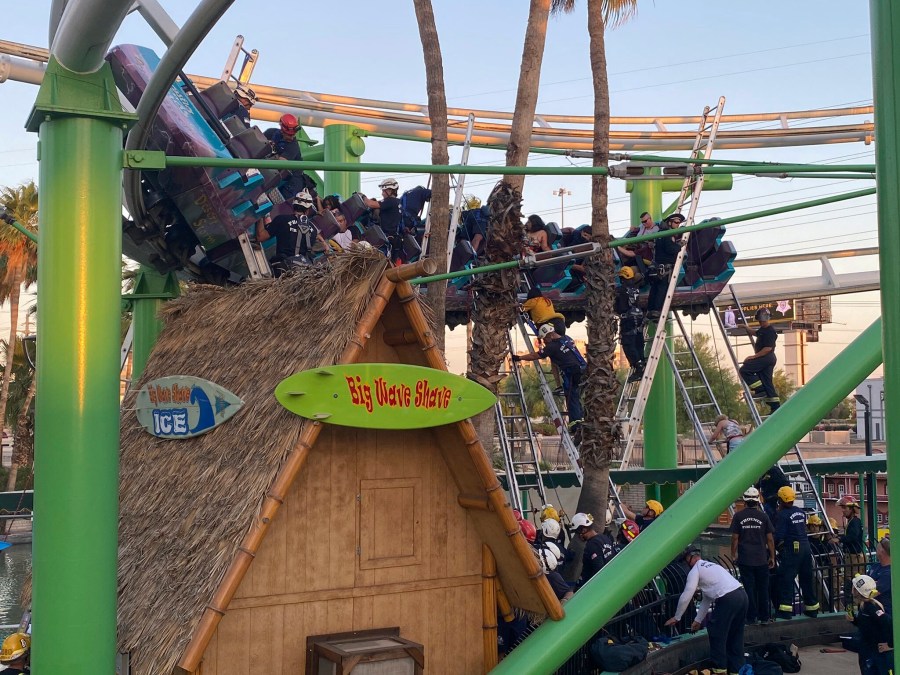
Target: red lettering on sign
[
  {"x": 428, "y": 398},
  {"x": 360, "y": 394}
]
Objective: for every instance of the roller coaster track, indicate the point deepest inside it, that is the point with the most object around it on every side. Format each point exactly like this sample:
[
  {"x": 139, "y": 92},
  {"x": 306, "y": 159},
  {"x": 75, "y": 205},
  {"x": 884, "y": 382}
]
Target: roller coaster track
[{"x": 395, "y": 119}]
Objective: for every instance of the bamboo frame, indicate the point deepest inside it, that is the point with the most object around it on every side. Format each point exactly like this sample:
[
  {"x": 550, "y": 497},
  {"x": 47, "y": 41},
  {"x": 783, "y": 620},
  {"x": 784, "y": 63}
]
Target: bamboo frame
[
  {"x": 295, "y": 462},
  {"x": 409, "y": 301},
  {"x": 489, "y": 607}
]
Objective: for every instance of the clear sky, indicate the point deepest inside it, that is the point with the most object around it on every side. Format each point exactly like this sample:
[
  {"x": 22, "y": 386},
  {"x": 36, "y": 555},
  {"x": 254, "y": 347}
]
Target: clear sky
[{"x": 673, "y": 58}]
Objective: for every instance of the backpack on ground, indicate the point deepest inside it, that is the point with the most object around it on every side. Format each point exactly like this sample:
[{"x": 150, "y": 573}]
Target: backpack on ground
[
  {"x": 784, "y": 656},
  {"x": 615, "y": 655},
  {"x": 758, "y": 666}
]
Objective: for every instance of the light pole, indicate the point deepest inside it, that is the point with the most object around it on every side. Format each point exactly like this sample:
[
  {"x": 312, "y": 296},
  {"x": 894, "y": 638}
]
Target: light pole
[
  {"x": 562, "y": 193},
  {"x": 870, "y": 476}
]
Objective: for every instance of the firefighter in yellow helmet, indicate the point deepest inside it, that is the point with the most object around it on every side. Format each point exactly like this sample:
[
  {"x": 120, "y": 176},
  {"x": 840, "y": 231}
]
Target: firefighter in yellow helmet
[
  {"x": 16, "y": 654},
  {"x": 795, "y": 557},
  {"x": 653, "y": 510}
]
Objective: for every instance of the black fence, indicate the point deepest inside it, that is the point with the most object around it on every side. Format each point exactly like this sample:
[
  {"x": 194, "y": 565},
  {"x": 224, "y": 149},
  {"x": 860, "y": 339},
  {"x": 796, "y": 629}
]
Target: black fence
[{"x": 646, "y": 612}]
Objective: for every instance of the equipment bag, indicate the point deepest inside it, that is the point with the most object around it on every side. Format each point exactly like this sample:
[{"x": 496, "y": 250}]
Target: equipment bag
[
  {"x": 758, "y": 666},
  {"x": 611, "y": 654},
  {"x": 784, "y": 656}
]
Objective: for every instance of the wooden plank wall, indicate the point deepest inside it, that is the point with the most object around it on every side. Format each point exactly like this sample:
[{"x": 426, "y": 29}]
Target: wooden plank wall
[{"x": 403, "y": 554}]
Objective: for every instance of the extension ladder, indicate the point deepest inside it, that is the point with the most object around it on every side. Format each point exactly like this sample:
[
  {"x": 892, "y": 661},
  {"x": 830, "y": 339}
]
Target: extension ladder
[
  {"x": 632, "y": 406},
  {"x": 255, "y": 257},
  {"x": 803, "y": 477}
]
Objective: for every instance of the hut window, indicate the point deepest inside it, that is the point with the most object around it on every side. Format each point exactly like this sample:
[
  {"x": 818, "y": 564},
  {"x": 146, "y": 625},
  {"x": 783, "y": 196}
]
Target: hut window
[
  {"x": 368, "y": 652},
  {"x": 390, "y": 534}
]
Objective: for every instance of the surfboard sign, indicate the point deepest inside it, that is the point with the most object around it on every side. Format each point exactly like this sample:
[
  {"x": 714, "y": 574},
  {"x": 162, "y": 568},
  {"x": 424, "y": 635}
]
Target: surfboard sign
[
  {"x": 182, "y": 406},
  {"x": 382, "y": 396}
]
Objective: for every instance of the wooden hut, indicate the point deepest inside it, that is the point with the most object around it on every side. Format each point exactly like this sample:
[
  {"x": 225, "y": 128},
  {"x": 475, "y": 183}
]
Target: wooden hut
[{"x": 240, "y": 546}]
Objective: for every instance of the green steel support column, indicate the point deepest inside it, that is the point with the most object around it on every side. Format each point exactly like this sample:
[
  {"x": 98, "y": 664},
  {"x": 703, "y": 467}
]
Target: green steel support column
[
  {"x": 81, "y": 125},
  {"x": 661, "y": 434},
  {"x": 885, "y": 29},
  {"x": 611, "y": 588},
  {"x": 660, "y": 441},
  {"x": 150, "y": 290},
  {"x": 343, "y": 143}
]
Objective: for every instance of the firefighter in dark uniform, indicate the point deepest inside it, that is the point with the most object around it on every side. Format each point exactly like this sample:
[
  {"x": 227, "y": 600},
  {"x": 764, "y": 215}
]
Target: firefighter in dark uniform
[
  {"x": 758, "y": 368},
  {"x": 598, "y": 546},
  {"x": 769, "y": 485},
  {"x": 294, "y": 235},
  {"x": 795, "y": 557},
  {"x": 563, "y": 353},
  {"x": 631, "y": 329}
]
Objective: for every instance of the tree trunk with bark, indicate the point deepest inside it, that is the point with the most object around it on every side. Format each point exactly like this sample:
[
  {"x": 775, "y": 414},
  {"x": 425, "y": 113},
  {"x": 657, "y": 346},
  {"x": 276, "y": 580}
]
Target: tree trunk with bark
[
  {"x": 15, "y": 290},
  {"x": 527, "y": 94},
  {"x": 439, "y": 209},
  {"x": 601, "y": 430}
]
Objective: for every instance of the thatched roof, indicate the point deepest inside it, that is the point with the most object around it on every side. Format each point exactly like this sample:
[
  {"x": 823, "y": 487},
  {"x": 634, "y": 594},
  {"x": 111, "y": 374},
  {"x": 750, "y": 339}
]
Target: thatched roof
[
  {"x": 194, "y": 512},
  {"x": 186, "y": 505}
]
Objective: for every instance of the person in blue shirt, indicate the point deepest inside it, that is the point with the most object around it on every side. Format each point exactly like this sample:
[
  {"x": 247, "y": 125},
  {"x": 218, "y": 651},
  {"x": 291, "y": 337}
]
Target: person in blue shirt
[
  {"x": 563, "y": 353},
  {"x": 795, "y": 557}
]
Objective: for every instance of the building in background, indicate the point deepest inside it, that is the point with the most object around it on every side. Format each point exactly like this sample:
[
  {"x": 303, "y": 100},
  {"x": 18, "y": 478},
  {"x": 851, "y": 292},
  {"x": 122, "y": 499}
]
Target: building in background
[{"x": 873, "y": 390}]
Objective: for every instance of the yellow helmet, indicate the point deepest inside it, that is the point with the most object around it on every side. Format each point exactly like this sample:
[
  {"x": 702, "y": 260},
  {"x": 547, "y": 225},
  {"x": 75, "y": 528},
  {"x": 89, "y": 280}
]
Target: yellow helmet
[
  {"x": 472, "y": 202},
  {"x": 813, "y": 519},
  {"x": 655, "y": 506},
  {"x": 626, "y": 273},
  {"x": 786, "y": 494},
  {"x": 15, "y": 647},
  {"x": 549, "y": 513},
  {"x": 832, "y": 522}
]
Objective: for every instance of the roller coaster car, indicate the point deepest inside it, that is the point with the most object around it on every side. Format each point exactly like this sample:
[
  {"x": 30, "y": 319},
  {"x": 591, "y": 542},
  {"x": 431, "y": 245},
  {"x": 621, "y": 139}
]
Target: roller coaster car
[
  {"x": 192, "y": 216},
  {"x": 708, "y": 266}
]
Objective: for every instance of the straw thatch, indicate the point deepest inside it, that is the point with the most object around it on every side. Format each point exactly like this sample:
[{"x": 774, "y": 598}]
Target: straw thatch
[{"x": 186, "y": 505}]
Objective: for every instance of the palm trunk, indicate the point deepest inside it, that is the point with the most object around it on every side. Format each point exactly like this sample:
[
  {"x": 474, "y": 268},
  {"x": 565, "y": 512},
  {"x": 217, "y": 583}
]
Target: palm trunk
[
  {"x": 7, "y": 371},
  {"x": 494, "y": 308},
  {"x": 600, "y": 433},
  {"x": 23, "y": 446},
  {"x": 527, "y": 95},
  {"x": 438, "y": 211}
]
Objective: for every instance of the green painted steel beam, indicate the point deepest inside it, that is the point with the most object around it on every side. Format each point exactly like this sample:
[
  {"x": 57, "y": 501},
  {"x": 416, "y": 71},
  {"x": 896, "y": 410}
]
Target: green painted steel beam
[
  {"x": 81, "y": 125},
  {"x": 885, "y": 29},
  {"x": 611, "y": 588},
  {"x": 151, "y": 289},
  {"x": 12, "y": 222},
  {"x": 152, "y": 159},
  {"x": 656, "y": 235},
  {"x": 343, "y": 144},
  {"x": 765, "y": 213},
  {"x": 674, "y": 184}
]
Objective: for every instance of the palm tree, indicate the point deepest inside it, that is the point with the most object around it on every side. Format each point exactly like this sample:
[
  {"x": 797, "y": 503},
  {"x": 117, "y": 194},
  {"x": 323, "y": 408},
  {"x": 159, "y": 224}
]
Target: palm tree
[
  {"x": 600, "y": 433},
  {"x": 18, "y": 268},
  {"x": 494, "y": 308},
  {"x": 438, "y": 211},
  {"x": 20, "y": 411}
]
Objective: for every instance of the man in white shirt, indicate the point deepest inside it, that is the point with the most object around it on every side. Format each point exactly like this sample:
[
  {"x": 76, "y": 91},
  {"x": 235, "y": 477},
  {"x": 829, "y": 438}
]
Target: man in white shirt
[{"x": 725, "y": 627}]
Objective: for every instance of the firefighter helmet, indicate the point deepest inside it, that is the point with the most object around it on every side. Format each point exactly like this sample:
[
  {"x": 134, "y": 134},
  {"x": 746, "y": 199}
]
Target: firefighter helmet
[
  {"x": 865, "y": 586},
  {"x": 550, "y": 528},
  {"x": 847, "y": 500},
  {"x": 786, "y": 494},
  {"x": 630, "y": 530},
  {"x": 288, "y": 124},
  {"x": 580, "y": 520},
  {"x": 15, "y": 647}
]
